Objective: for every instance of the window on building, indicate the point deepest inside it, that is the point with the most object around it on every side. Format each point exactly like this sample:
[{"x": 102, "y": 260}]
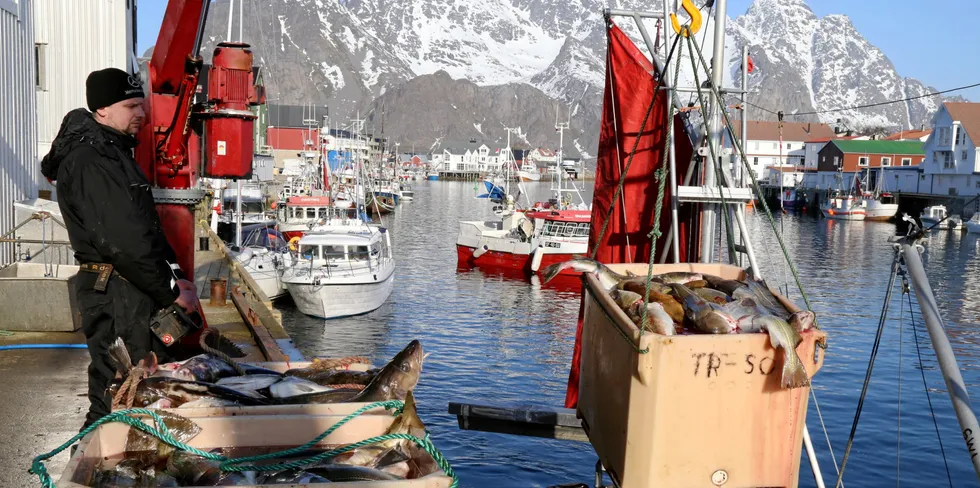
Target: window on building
[
  {"x": 960, "y": 136},
  {"x": 755, "y": 160},
  {"x": 40, "y": 73},
  {"x": 886, "y": 161},
  {"x": 755, "y": 145},
  {"x": 775, "y": 146},
  {"x": 944, "y": 136},
  {"x": 948, "y": 161},
  {"x": 964, "y": 155},
  {"x": 863, "y": 161},
  {"x": 906, "y": 161},
  {"x": 789, "y": 146}
]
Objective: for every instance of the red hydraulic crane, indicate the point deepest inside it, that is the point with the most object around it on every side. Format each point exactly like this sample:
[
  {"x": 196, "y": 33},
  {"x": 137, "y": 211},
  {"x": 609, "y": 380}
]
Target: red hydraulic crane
[{"x": 170, "y": 142}]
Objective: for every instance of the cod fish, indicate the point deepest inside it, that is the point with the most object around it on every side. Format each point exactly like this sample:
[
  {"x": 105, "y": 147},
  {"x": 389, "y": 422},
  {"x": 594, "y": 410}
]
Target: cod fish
[
  {"x": 681, "y": 277},
  {"x": 783, "y": 336},
  {"x": 393, "y": 381},
  {"x": 729, "y": 287},
  {"x": 179, "y": 392},
  {"x": 657, "y": 319},
  {"x": 291, "y": 386},
  {"x": 252, "y": 382},
  {"x": 712, "y": 295},
  {"x": 607, "y": 277},
  {"x": 209, "y": 369},
  {"x": 155, "y": 451},
  {"x": 744, "y": 310},
  {"x": 341, "y": 377},
  {"x": 707, "y": 317},
  {"x": 765, "y": 298}
]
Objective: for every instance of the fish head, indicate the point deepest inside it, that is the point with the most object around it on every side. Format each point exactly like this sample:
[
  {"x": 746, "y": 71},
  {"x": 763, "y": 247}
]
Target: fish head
[
  {"x": 802, "y": 320},
  {"x": 401, "y": 374}
]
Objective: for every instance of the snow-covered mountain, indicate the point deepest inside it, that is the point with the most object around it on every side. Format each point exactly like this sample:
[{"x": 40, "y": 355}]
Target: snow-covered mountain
[{"x": 347, "y": 54}]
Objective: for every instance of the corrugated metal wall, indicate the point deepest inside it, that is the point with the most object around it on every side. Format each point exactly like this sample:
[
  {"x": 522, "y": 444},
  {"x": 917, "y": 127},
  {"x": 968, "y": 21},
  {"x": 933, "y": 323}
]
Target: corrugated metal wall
[
  {"x": 18, "y": 134},
  {"x": 78, "y": 37}
]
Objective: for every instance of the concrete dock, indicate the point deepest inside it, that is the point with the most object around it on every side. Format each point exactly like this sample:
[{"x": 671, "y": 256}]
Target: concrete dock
[{"x": 46, "y": 390}]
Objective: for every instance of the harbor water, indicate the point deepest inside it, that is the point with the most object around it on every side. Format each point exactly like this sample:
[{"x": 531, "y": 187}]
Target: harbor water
[{"x": 507, "y": 340}]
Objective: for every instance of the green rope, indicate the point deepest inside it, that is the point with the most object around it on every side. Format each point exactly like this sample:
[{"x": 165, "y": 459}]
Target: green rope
[
  {"x": 714, "y": 159},
  {"x": 661, "y": 175},
  {"x": 162, "y": 433},
  {"x": 758, "y": 192},
  {"x": 629, "y": 162}
]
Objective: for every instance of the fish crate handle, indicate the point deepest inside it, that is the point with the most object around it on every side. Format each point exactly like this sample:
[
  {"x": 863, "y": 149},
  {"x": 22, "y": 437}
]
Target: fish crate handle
[{"x": 819, "y": 336}]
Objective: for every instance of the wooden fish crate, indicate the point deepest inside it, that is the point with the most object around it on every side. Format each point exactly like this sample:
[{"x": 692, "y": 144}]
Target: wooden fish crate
[
  {"x": 341, "y": 409},
  {"x": 695, "y": 410},
  {"x": 108, "y": 441}
]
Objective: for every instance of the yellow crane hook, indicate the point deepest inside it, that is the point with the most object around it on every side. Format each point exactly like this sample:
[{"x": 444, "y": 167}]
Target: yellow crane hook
[{"x": 695, "y": 24}]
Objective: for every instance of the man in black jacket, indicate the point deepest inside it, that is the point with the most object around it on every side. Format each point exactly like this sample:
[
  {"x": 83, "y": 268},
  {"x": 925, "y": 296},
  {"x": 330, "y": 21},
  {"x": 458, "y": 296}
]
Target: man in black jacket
[{"x": 111, "y": 218}]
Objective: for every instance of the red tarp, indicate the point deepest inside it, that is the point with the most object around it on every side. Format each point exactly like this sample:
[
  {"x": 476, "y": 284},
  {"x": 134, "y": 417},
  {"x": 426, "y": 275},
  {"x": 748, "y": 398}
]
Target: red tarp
[{"x": 629, "y": 90}]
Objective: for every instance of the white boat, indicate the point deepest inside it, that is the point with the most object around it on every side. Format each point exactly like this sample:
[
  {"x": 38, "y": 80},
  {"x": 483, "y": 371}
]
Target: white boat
[
  {"x": 879, "y": 205},
  {"x": 843, "y": 207},
  {"x": 341, "y": 270},
  {"x": 405, "y": 192},
  {"x": 973, "y": 225},
  {"x": 934, "y": 215},
  {"x": 529, "y": 172},
  {"x": 264, "y": 255}
]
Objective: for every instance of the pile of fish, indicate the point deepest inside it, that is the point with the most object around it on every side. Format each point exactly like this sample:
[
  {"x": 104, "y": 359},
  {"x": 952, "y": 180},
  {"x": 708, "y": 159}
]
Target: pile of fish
[
  {"x": 209, "y": 381},
  {"x": 682, "y": 302},
  {"x": 149, "y": 462}
]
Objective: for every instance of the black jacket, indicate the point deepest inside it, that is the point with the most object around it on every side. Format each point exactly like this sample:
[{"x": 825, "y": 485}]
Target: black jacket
[{"x": 108, "y": 206}]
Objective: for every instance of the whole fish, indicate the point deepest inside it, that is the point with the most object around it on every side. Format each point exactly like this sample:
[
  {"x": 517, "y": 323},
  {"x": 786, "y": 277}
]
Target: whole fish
[
  {"x": 291, "y": 386},
  {"x": 657, "y": 319},
  {"x": 638, "y": 285},
  {"x": 393, "y": 381},
  {"x": 727, "y": 286},
  {"x": 209, "y": 403},
  {"x": 707, "y": 317},
  {"x": 681, "y": 277},
  {"x": 252, "y": 382},
  {"x": 607, "y": 277},
  {"x": 783, "y": 336},
  {"x": 659, "y": 293},
  {"x": 209, "y": 369},
  {"x": 342, "y": 377},
  {"x": 179, "y": 392},
  {"x": 712, "y": 295},
  {"x": 744, "y": 310},
  {"x": 766, "y": 299}
]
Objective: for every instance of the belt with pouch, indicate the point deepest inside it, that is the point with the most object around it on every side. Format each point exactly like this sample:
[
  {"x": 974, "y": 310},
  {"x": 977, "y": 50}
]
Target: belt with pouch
[{"x": 104, "y": 271}]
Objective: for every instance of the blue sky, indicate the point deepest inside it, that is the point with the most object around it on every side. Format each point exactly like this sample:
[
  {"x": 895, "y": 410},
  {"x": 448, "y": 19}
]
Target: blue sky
[{"x": 931, "y": 41}]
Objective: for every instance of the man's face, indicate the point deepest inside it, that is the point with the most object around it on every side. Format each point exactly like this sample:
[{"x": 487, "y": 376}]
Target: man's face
[{"x": 125, "y": 116}]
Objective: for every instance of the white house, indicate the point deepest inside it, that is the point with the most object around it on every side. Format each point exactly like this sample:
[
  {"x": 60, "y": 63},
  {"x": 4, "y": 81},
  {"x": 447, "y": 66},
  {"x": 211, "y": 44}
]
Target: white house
[
  {"x": 18, "y": 135},
  {"x": 952, "y": 163},
  {"x": 66, "y": 49},
  {"x": 779, "y": 144},
  {"x": 466, "y": 157}
]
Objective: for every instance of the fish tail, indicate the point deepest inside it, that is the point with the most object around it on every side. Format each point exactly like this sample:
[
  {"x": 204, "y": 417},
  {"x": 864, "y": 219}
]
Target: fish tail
[
  {"x": 794, "y": 374},
  {"x": 552, "y": 270}
]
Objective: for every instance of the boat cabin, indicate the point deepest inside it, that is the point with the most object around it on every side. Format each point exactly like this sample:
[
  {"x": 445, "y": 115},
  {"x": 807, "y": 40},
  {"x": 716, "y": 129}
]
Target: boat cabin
[
  {"x": 305, "y": 209},
  {"x": 364, "y": 248},
  {"x": 561, "y": 224}
]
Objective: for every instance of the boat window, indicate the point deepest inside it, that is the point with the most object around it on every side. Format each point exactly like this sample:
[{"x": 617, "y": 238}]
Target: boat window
[
  {"x": 359, "y": 253},
  {"x": 569, "y": 230},
  {"x": 556, "y": 228},
  {"x": 311, "y": 213},
  {"x": 333, "y": 252},
  {"x": 375, "y": 249},
  {"x": 582, "y": 230},
  {"x": 310, "y": 252}
]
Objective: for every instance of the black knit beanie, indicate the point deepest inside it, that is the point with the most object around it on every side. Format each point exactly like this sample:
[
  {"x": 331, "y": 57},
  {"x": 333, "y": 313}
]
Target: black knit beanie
[{"x": 111, "y": 85}]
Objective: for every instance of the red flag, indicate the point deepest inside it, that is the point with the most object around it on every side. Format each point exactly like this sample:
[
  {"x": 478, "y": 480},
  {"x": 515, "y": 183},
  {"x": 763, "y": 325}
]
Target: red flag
[
  {"x": 751, "y": 64},
  {"x": 629, "y": 91}
]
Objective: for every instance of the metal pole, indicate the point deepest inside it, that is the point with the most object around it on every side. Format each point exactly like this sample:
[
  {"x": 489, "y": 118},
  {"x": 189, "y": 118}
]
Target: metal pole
[
  {"x": 241, "y": 20},
  {"x": 944, "y": 352},
  {"x": 812, "y": 456},
  {"x": 238, "y": 215},
  {"x": 745, "y": 117},
  {"x": 709, "y": 210},
  {"x": 675, "y": 238},
  {"x": 231, "y": 18}
]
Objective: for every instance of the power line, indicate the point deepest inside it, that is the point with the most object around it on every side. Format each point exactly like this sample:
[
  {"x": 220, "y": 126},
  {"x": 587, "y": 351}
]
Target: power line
[{"x": 889, "y": 102}]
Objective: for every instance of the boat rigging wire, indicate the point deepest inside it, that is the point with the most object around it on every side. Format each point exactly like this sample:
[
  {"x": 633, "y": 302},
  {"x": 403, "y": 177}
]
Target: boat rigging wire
[
  {"x": 867, "y": 105},
  {"x": 906, "y": 290},
  {"x": 871, "y": 361}
]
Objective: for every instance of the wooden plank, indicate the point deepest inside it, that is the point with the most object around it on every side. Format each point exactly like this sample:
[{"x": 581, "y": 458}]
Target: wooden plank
[
  {"x": 263, "y": 339},
  {"x": 528, "y": 420}
]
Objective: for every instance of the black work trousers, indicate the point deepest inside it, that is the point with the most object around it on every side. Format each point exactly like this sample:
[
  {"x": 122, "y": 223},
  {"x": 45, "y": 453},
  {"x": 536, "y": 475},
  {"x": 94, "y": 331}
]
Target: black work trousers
[{"x": 122, "y": 310}]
